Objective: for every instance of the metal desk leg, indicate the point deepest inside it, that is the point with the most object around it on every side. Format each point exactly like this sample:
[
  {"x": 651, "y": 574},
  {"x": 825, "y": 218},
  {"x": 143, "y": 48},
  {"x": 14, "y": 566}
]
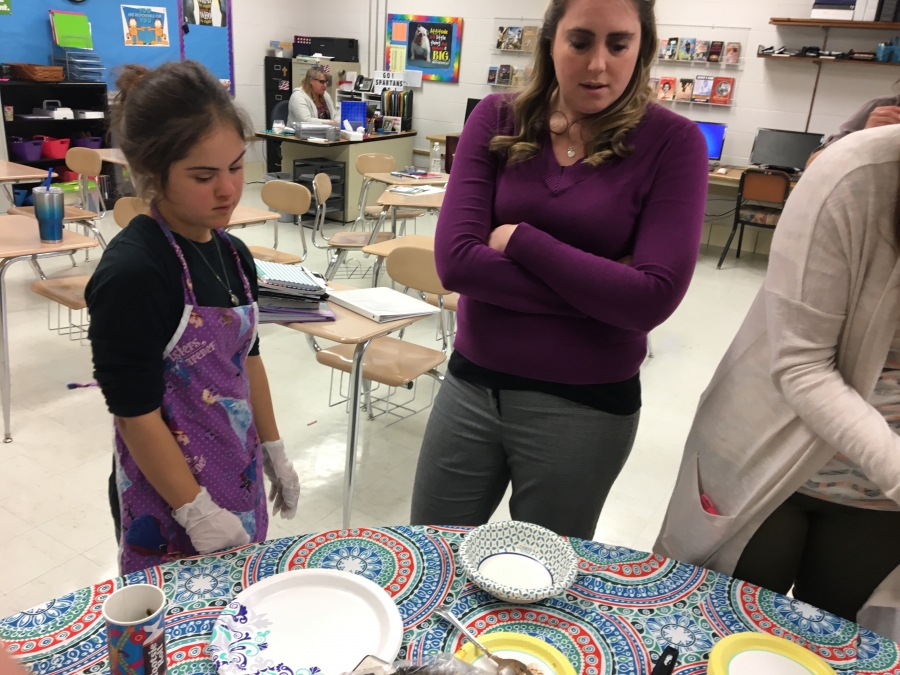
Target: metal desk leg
[
  {"x": 356, "y": 372},
  {"x": 275, "y": 246},
  {"x": 37, "y": 268},
  {"x": 394, "y": 220},
  {"x": 376, "y": 271},
  {"x": 4, "y": 353}
]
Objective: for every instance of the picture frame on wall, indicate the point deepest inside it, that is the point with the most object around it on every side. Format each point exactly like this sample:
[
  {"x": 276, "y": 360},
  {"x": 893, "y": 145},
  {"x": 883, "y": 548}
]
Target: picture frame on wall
[{"x": 430, "y": 44}]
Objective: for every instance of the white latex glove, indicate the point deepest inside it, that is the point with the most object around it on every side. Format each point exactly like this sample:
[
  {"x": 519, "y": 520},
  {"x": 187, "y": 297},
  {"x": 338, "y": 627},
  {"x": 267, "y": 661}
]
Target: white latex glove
[
  {"x": 285, "y": 489},
  {"x": 210, "y": 527}
]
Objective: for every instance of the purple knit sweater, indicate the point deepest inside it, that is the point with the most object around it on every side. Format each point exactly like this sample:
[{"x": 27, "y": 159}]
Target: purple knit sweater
[{"x": 556, "y": 306}]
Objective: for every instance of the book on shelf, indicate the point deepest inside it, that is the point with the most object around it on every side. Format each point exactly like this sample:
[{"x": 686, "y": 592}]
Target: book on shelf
[
  {"x": 529, "y": 38},
  {"x": 723, "y": 88},
  {"x": 866, "y": 10},
  {"x": 833, "y": 9},
  {"x": 685, "y": 89},
  {"x": 501, "y": 37},
  {"x": 703, "y": 86},
  {"x": 686, "y": 49},
  {"x": 701, "y": 50},
  {"x": 654, "y": 85},
  {"x": 517, "y": 75},
  {"x": 492, "y": 75},
  {"x": 671, "y": 49},
  {"x": 887, "y": 11},
  {"x": 666, "y": 89},
  {"x": 504, "y": 74},
  {"x": 732, "y": 52},
  {"x": 381, "y": 304},
  {"x": 715, "y": 51},
  {"x": 514, "y": 39},
  {"x": 663, "y": 44}
]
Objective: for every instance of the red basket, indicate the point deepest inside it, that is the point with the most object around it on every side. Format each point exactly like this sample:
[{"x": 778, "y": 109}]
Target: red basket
[
  {"x": 54, "y": 148},
  {"x": 64, "y": 175},
  {"x": 27, "y": 151}
]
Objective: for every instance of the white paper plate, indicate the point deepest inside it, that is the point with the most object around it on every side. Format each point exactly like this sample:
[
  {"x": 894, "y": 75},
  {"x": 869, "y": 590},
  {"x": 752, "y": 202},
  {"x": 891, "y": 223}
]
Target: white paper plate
[{"x": 306, "y": 622}]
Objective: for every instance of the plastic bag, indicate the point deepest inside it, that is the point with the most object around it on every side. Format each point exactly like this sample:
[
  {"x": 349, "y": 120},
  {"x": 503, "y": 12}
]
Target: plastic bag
[{"x": 436, "y": 664}]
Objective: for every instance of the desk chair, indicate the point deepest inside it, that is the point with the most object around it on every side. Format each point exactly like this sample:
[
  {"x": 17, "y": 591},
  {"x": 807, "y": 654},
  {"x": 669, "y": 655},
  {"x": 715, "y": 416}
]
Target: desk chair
[
  {"x": 392, "y": 361},
  {"x": 65, "y": 292},
  {"x": 128, "y": 208},
  {"x": 448, "y": 305},
  {"x": 769, "y": 189},
  {"x": 86, "y": 163},
  {"x": 378, "y": 163},
  {"x": 292, "y": 198},
  {"x": 344, "y": 241}
]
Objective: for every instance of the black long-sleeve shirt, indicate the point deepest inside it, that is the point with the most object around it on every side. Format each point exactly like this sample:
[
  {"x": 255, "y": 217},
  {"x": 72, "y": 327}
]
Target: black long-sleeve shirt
[{"x": 136, "y": 301}]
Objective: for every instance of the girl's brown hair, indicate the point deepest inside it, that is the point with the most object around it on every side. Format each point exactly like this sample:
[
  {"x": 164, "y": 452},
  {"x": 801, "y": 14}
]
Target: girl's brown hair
[
  {"x": 312, "y": 74},
  {"x": 160, "y": 114},
  {"x": 605, "y": 131}
]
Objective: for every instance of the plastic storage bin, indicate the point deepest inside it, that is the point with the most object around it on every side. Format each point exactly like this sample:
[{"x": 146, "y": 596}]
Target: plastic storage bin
[
  {"x": 54, "y": 148},
  {"x": 27, "y": 151},
  {"x": 93, "y": 142}
]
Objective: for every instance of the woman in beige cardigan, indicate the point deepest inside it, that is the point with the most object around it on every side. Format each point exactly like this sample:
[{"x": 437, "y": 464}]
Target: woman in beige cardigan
[{"x": 793, "y": 395}]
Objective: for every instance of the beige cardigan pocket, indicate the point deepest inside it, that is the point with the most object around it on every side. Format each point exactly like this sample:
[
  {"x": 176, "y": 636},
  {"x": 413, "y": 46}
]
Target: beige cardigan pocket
[{"x": 691, "y": 534}]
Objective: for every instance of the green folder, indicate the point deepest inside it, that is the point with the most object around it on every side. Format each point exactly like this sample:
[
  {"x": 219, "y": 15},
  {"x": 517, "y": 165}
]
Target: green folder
[{"x": 71, "y": 29}]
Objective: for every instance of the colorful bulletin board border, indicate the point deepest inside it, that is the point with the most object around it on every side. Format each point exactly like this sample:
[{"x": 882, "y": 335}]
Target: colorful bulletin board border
[
  {"x": 145, "y": 26},
  {"x": 430, "y": 44}
]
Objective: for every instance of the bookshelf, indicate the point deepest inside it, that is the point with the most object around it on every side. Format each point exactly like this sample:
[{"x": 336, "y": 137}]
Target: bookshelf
[
  {"x": 835, "y": 23},
  {"x": 518, "y": 60},
  {"x": 811, "y": 59}
]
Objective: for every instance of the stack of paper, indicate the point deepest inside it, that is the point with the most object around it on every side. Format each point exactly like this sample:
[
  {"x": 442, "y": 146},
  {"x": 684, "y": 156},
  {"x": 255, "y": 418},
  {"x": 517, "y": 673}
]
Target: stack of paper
[
  {"x": 381, "y": 304},
  {"x": 291, "y": 294}
]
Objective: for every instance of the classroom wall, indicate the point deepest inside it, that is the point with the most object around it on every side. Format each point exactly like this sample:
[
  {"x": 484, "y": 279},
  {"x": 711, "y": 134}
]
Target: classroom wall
[{"x": 768, "y": 94}]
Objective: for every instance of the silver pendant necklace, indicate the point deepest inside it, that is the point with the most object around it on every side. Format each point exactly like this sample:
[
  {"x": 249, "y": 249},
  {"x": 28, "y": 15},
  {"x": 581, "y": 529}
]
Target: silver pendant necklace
[
  {"x": 234, "y": 299},
  {"x": 571, "y": 151}
]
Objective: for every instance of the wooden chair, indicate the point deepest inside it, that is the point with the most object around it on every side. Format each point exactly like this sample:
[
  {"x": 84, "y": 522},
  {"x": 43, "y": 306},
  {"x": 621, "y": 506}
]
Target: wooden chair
[
  {"x": 378, "y": 163},
  {"x": 65, "y": 292},
  {"x": 128, "y": 208},
  {"x": 768, "y": 190},
  {"x": 344, "y": 241},
  {"x": 87, "y": 162},
  {"x": 393, "y": 361},
  {"x": 287, "y": 197}
]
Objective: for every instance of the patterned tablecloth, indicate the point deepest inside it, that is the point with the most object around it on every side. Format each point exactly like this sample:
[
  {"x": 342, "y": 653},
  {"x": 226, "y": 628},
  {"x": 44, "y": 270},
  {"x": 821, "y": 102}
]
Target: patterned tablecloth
[{"x": 622, "y": 611}]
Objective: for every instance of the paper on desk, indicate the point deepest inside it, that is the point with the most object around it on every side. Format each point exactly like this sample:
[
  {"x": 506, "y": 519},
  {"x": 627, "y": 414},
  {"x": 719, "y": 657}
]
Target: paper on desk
[{"x": 420, "y": 190}]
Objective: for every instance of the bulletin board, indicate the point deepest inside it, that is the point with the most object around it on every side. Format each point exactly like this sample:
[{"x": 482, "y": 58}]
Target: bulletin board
[
  {"x": 430, "y": 44},
  {"x": 25, "y": 34}
]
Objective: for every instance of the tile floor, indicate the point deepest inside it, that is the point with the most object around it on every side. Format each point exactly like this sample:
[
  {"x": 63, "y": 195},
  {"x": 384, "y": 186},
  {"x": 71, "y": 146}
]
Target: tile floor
[{"x": 54, "y": 518}]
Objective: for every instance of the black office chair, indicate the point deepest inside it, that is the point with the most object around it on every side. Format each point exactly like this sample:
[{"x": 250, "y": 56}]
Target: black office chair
[{"x": 280, "y": 112}]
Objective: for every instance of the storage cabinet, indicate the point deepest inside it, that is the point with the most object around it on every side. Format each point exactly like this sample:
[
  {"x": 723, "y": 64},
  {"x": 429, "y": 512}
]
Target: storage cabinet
[
  {"x": 305, "y": 171},
  {"x": 278, "y": 76}
]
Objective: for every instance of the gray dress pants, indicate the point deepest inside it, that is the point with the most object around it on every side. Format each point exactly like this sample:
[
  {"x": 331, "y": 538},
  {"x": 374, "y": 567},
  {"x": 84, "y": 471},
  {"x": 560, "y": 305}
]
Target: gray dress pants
[{"x": 561, "y": 458}]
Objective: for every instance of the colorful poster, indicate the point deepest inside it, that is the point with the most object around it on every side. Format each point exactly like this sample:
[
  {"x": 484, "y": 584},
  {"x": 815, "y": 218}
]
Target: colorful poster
[
  {"x": 145, "y": 26},
  {"x": 5, "y": 6},
  {"x": 206, "y": 12},
  {"x": 430, "y": 44}
]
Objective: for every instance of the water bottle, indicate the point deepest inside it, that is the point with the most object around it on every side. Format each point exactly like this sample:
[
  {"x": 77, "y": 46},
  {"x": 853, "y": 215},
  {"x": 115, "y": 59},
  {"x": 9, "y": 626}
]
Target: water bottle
[
  {"x": 434, "y": 166},
  {"x": 49, "y": 208}
]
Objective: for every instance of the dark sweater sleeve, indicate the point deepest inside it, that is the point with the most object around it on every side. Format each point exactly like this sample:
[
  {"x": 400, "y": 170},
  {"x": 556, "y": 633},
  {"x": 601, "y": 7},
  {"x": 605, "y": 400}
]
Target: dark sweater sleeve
[
  {"x": 131, "y": 310},
  {"x": 642, "y": 295},
  {"x": 465, "y": 263}
]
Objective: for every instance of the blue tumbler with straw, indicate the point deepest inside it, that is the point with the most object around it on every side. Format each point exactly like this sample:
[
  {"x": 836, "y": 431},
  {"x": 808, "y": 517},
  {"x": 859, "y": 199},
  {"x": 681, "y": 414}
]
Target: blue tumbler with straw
[{"x": 49, "y": 207}]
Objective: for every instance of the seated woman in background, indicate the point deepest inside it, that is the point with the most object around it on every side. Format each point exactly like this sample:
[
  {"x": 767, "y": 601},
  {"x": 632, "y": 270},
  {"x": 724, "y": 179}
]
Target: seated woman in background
[
  {"x": 791, "y": 472},
  {"x": 571, "y": 228},
  {"x": 879, "y": 112},
  {"x": 310, "y": 102}
]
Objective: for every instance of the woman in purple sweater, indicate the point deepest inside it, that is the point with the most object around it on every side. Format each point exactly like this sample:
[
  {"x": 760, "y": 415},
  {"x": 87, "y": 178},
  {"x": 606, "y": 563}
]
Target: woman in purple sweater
[{"x": 571, "y": 228}]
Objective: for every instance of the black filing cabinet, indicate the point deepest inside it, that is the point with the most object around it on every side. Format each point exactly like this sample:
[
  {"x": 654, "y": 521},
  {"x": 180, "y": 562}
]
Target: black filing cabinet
[{"x": 278, "y": 78}]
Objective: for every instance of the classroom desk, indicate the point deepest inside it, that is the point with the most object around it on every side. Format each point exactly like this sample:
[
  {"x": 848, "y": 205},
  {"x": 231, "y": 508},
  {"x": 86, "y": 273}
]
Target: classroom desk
[
  {"x": 19, "y": 240},
  {"x": 12, "y": 174},
  {"x": 389, "y": 179},
  {"x": 399, "y": 146},
  {"x": 113, "y": 156},
  {"x": 350, "y": 328},
  {"x": 733, "y": 177}
]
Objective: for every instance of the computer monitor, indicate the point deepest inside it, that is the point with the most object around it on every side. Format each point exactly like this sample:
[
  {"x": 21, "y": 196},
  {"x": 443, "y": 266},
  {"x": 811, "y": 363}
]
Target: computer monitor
[
  {"x": 470, "y": 106},
  {"x": 714, "y": 133},
  {"x": 788, "y": 150}
]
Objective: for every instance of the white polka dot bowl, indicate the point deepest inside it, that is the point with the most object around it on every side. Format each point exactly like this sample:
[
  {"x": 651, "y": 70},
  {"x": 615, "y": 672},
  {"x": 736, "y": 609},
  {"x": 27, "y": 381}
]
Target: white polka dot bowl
[{"x": 518, "y": 562}]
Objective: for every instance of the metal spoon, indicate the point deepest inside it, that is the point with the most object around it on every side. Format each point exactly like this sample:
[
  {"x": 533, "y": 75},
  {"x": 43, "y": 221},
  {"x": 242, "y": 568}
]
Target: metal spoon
[{"x": 504, "y": 666}]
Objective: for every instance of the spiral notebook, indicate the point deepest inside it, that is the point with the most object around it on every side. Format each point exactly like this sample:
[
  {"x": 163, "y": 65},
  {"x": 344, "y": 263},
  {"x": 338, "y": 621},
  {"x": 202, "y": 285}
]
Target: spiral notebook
[{"x": 381, "y": 304}]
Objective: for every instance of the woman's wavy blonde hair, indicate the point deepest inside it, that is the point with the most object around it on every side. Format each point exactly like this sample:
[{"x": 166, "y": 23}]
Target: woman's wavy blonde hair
[{"x": 605, "y": 130}]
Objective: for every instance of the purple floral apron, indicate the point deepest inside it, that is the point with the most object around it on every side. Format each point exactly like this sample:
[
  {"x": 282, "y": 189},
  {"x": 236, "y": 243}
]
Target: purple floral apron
[{"x": 206, "y": 406}]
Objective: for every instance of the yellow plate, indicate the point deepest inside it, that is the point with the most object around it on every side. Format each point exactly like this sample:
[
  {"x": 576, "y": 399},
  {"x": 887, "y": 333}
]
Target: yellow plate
[
  {"x": 527, "y": 649},
  {"x": 760, "y": 652}
]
